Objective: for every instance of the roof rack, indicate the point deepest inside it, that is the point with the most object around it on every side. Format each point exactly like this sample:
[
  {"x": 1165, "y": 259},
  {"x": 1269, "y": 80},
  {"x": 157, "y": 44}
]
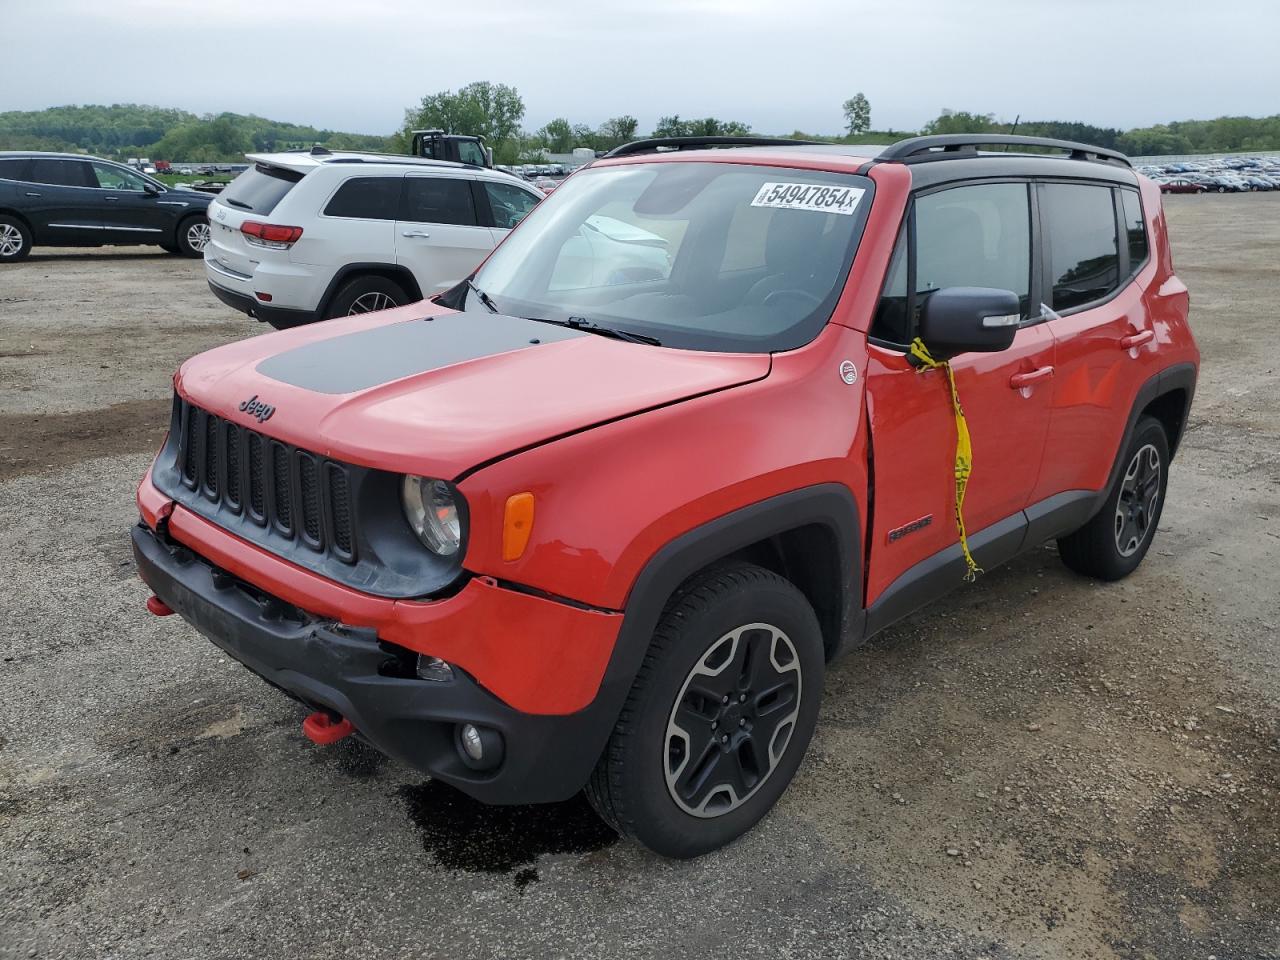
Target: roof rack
[
  {"x": 657, "y": 144},
  {"x": 954, "y": 145}
]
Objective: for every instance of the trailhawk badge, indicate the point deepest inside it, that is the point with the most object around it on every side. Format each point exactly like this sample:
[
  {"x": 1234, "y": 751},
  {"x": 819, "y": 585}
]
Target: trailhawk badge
[
  {"x": 256, "y": 408},
  {"x": 849, "y": 372}
]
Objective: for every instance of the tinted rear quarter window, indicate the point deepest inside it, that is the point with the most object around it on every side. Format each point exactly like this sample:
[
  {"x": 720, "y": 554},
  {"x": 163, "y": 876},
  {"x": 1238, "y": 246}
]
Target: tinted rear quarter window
[
  {"x": 13, "y": 168},
  {"x": 438, "y": 200},
  {"x": 61, "y": 173},
  {"x": 260, "y": 188},
  {"x": 1135, "y": 229},
  {"x": 366, "y": 198},
  {"x": 1084, "y": 256}
]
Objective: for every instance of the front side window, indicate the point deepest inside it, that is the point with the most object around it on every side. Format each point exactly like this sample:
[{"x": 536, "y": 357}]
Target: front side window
[
  {"x": 61, "y": 173},
  {"x": 974, "y": 236},
  {"x": 471, "y": 152},
  {"x": 509, "y": 203},
  {"x": 438, "y": 200},
  {"x": 708, "y": 256},
  {"x": 117, "y": 178},
  {"x": 366, "y": 198},
  {"x": 1083, "y": 253},
  {"x": 978, "y": 235}
]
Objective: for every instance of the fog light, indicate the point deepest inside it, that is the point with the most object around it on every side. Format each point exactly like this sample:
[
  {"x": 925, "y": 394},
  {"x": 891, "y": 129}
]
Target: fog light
[
  {"x": 480, "y": 748},
  {"x": 472, "y": 745},
  {"x": 433, "y": 668}
]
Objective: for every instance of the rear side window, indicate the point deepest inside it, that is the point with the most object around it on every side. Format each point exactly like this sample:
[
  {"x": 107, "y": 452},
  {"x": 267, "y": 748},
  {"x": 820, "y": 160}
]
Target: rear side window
[
  {"x": 61, "y": 173},
  {"x": 259, "y": 188},
  {"x": 1135, "y": 228},
  {"x": 1083, "y": 252},
  {"x": 366, "y": 198},
  {"x": 438, "y": 200},
  {"x": 13, "y": 168}
]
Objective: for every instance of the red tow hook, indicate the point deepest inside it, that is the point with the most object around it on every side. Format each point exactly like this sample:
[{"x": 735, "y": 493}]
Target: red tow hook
[
  {"x": 323, "y": 730},
  {"x": 158, "y": 607}
]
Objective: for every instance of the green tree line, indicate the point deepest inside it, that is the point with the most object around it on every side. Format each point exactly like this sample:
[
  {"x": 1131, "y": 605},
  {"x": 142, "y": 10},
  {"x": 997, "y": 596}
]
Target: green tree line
[{"x": 496, "y": 112}]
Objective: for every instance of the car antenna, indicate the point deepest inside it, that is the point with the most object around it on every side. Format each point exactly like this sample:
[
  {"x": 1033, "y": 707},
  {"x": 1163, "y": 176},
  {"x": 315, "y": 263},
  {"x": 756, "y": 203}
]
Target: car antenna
[
  {"x": 1012, "y": 130},
  {"x": 319, "y": 151}
]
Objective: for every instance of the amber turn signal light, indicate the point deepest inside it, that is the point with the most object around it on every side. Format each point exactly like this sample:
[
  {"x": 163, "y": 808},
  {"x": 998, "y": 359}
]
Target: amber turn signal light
[{"x": 517, "y": 525}]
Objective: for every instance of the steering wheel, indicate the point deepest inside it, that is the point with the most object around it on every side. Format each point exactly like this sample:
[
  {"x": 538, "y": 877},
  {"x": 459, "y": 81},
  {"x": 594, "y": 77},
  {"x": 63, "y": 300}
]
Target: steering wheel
[{"x": 792, "y": 292}]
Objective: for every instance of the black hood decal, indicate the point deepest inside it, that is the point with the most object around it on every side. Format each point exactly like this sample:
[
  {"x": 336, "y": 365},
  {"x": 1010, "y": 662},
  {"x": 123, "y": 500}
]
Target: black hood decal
[{"x": 357, "y": 361}]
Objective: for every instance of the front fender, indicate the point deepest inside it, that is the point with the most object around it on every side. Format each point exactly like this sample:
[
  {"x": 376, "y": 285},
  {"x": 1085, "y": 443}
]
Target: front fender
[{"x": 609, "y": 499}]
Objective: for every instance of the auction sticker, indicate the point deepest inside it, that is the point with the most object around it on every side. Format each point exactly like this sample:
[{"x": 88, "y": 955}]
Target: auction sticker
[{"x": 816, "y": 197}]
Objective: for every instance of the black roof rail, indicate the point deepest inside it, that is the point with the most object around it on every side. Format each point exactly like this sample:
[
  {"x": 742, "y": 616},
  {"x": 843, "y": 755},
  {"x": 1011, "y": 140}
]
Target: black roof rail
[
  {"x": 952, "y": 145},
  {"x": 655, "y": 144}
]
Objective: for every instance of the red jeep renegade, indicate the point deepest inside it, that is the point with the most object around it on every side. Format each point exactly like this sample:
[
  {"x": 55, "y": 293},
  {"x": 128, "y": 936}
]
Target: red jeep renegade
[{"x": 600, "y": 515}]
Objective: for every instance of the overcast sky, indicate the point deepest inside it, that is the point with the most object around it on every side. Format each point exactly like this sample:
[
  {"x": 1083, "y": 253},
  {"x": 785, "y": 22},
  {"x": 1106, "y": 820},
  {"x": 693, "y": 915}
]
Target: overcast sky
[{"x": 777, "y": 65}]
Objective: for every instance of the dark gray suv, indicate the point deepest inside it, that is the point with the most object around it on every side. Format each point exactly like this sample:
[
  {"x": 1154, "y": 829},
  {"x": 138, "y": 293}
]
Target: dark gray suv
[{"x": 68, "y": 200}]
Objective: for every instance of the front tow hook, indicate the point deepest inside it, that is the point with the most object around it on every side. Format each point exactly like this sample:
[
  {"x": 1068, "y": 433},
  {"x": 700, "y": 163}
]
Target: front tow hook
[{"x": 322, "y": 729}]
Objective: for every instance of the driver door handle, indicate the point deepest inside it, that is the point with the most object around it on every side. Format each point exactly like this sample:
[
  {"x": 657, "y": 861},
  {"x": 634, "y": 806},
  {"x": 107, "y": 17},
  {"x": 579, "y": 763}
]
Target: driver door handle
[
  {"x": 111, "y": 199},
  {"x": 30, "y": 194},
  {"x": 1020, "y": 380},
  {"x": 1137, "y": 339},
  {"x": 416, "y": 233}
]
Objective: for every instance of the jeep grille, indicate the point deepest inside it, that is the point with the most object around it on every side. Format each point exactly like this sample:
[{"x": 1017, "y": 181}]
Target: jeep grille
[{"x": 291, "y": 492}]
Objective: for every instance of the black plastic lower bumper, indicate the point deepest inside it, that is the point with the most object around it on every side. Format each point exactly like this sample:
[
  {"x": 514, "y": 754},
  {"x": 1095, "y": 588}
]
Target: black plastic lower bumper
[
  {"x": 342, "y": 669},
  {"x": 276, "y": 316}
]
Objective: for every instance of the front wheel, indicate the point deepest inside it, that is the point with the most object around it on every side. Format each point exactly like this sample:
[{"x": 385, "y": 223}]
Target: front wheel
[
  {"x": 193, "y": 237},
  {"x": 719, "y": 716},
  {"x": 1113, "y": 543}
]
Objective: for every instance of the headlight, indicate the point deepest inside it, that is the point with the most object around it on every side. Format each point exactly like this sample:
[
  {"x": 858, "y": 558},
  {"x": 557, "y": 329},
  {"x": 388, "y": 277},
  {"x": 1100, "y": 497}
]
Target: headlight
[{"x": 431, "y": 507}]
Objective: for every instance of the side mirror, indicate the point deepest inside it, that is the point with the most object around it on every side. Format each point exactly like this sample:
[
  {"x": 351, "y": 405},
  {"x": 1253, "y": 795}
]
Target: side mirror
[
  {"x": 959, "y": 320},
  {"x": 150, "y": 188}
]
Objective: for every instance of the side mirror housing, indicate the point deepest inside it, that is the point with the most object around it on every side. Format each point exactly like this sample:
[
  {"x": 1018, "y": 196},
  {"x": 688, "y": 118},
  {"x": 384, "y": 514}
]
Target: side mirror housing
[
  {"x": 958, "y": 320},
  {"x": 151, "y": 189}
]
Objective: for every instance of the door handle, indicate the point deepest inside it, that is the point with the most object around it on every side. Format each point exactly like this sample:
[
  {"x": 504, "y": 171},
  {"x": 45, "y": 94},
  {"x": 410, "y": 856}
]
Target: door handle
[
  {"x": 111, "y": 199},
  {"x": 30, "y": 194},
  {"x": 416, "y": 233},
  {"x": 1137, "y": 339},
  {"x": 1020, "y": 380}
]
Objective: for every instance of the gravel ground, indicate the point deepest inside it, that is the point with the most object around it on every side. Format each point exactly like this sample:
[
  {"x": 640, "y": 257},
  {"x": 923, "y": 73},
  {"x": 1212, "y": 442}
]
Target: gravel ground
[{"x": 1039, "y": 766}]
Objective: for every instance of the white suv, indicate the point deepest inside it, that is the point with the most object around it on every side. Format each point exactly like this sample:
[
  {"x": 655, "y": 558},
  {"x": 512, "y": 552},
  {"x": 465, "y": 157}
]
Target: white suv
[{"x": 308, "y": 236}]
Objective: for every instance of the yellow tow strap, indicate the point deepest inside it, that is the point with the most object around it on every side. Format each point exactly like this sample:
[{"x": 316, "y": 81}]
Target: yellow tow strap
[{"x": 964, "y": 448}]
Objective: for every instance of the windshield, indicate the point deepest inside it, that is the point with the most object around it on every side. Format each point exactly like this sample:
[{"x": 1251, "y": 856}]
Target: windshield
[
  {"x": 260, "y": 188},
  {"x": 705, "y": 256}
]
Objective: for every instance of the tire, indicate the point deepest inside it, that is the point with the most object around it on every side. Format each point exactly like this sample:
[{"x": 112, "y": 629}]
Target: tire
[
  {"x": 364, "y": 295},
  {"x": 15, "y": 240},
  {"x": 742, "y": 628},
  {"x": 1222, "y": 189},
  {"x": 192, "y": 237},
  {"x": 1113, "y": 543}
]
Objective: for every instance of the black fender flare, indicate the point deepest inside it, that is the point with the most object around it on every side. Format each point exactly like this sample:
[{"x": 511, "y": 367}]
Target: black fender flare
[
  {"x": 830, "y": 505},
  {"x": 1180, "y": 376},
  {"x": 395, "y": 271}
]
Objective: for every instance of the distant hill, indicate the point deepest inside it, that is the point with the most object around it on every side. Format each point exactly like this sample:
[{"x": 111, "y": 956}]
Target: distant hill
[{"x": 125, "y": 130}]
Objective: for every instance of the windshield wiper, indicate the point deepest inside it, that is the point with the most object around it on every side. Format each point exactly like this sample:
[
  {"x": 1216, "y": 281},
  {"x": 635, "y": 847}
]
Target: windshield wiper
[
  {"x": 236, "y": 203},
  {"x": 482, "y": 296},
  {"x": 587, "y": 326}
]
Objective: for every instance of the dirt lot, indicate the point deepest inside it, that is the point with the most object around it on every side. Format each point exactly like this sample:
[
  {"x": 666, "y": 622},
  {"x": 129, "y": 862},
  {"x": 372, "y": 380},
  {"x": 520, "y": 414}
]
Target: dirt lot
[{"x": 1040, "y": 766}]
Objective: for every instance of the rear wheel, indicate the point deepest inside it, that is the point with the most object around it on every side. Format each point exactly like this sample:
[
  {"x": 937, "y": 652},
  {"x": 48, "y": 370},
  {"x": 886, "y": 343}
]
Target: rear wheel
[
  {"x": 193, "y": 237},
  {"x": 719, "y": 716},
  {"x": 15, "y": 239},
  {"x": 1113, "y": 543},
  {"x": 365, "y": 295}
]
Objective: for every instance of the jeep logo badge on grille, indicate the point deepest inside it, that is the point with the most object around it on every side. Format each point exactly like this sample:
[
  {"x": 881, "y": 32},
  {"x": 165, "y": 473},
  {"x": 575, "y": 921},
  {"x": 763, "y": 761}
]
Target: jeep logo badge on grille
[{"x": 256, "y": 408}]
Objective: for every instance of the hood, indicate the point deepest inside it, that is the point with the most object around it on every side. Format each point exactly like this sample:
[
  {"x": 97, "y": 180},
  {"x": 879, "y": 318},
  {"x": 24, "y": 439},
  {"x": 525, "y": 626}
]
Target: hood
[{"x": 425, "y": 390}]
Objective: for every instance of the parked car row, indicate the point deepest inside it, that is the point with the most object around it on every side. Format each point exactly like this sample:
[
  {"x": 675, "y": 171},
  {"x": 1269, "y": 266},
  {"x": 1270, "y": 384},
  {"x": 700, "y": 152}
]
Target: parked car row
[{"x": 1217, "y": 175}]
